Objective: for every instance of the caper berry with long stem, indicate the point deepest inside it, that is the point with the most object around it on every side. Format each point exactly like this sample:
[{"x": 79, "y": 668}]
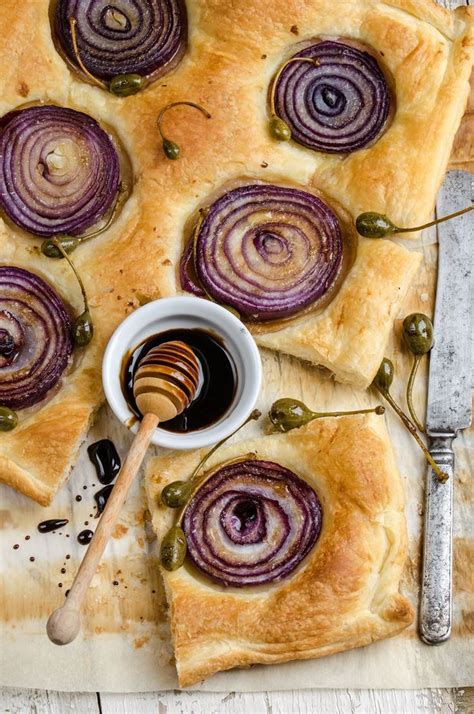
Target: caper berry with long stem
[
  {"x": 83, "y": 328},
  {"x": 418, "y": 336},
  {"x": 173, "y": 549},
  {"x": 170, "y": 148},
  {"x": 382, "y": 382},
  {"x": 8, "y": 419},
  {"x": 279, "y": 129},
  {"x": 377, "y": 225},
  {"x": 286, "y": 413},
  {"x": 122, "y": 85}
]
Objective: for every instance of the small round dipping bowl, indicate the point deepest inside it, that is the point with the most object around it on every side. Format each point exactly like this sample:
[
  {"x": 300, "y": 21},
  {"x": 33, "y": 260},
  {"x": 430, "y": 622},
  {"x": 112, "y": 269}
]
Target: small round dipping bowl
[{"x": 185, "y": 313}]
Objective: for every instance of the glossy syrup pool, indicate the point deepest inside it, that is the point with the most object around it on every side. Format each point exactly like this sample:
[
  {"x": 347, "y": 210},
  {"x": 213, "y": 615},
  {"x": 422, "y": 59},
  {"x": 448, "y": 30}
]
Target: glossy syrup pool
[{"x": 217, "y": 384}]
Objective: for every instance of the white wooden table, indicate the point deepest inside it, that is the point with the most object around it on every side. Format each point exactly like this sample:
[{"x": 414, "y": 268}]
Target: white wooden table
[{"x": 310, "y": 701}]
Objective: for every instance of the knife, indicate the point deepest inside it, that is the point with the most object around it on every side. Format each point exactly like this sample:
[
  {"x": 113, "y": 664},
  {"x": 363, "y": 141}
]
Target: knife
[{"x": 449, "y": 400}]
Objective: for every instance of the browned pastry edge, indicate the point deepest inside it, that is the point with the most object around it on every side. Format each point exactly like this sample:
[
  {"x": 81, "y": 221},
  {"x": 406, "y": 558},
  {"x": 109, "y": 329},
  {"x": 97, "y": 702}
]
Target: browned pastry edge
[{"x": 345, "y": 592}]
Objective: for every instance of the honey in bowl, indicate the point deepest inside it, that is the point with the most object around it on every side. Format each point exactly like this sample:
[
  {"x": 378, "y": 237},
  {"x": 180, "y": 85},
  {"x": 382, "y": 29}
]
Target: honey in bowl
[{"x": 217, "y": 378}]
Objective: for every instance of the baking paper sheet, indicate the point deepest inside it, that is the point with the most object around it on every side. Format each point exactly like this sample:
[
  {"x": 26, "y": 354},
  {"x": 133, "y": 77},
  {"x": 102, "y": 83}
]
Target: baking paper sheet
[{"x": 125, "y": 643}]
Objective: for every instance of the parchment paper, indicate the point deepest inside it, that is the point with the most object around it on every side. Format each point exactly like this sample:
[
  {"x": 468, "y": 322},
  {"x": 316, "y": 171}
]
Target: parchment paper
[{"x": 125, "y": 645}]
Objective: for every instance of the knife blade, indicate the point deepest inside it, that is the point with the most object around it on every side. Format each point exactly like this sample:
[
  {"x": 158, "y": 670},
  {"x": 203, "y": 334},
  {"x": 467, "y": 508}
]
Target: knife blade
[{"x": 449, "y": 399}]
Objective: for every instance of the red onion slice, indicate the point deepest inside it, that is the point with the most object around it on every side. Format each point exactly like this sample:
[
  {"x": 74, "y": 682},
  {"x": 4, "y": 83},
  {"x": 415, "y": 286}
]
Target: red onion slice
[
  {"x": 59, "y": 171},
  {"x": 35, "y": 338},
  {"x": 251, "y": 523},
  {"x": 267, "y": 251},
  {"x": 129, "y": 36},
  {"x": 341, "y": 105}
]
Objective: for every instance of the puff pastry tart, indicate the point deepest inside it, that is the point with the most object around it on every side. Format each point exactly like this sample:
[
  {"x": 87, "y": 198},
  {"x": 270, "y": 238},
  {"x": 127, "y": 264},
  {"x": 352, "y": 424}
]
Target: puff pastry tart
[
  {"x": 295, "y": 550},
  {"x": 371, "y": 94}
]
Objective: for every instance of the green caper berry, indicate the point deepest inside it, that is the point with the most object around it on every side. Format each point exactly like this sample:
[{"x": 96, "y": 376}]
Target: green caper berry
[
  {"x": 173, "y": 549},
  {"x": 279, "y": 129},
  {"x": 175, "y": 494},
  {"x": 51, "y": 250},
  {"x": 83, "y": 329},
  {"x": 286, "y": 414},
  {"x": 384, "y": 377},
  {"x": 8, "y": 419},
  {"x": 172, "y": 150},
  {"x": 375, "y": 225},
  {"x": 124, "y": 85},
  {"x": 418, "y": 333}
]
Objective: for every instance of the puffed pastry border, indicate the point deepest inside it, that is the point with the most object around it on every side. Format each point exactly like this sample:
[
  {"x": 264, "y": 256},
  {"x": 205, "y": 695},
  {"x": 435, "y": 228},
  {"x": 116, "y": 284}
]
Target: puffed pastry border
[
  {"x": 345, "y": 594},
  {"x": 235, "y": 47}
]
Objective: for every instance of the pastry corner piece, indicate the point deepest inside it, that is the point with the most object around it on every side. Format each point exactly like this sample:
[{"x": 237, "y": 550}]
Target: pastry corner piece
[{"x": 296, "y": 546}]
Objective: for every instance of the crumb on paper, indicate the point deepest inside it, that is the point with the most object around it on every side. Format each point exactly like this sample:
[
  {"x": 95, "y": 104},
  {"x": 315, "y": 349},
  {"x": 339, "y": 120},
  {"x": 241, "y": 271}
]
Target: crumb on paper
[
  {"x": 119, "y": 531},
  {"x": 140, "y": 641}
]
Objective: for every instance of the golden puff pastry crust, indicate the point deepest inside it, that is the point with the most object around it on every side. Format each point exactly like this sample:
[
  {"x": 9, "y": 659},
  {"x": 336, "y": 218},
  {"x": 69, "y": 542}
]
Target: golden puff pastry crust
[
  {"x": 344, "y": 594},
  {"x": 234, "y": 50}
]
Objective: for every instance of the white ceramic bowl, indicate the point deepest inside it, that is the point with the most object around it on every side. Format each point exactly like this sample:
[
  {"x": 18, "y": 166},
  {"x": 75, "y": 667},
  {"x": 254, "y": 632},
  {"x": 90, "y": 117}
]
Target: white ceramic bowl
[{"x": 185, "y": 312}]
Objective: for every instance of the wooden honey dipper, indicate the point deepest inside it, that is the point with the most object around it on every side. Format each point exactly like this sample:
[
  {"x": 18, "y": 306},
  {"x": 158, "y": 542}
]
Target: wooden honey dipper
[{"x": 165, "y": 383}]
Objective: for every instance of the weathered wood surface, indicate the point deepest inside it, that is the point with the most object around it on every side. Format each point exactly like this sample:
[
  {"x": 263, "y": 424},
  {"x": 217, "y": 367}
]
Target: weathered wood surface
[{"x": 320, "y": 701}]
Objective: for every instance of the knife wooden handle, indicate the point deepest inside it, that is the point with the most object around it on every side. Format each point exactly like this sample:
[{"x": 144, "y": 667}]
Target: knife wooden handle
[{"x": 436, "y": 584}]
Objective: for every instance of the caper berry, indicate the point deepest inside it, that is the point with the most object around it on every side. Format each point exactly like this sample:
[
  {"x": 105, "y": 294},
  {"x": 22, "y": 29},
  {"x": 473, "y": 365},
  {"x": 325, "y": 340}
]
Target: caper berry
[
  {"x": 279, "y": 129},
  {"x": 375, "y": 225},
  {"x": 173, "y": 549},
  {"x": 171, "y": 149},
  {"x": 175, "y": 494},
  {"x": 8, "y": 419},
  {"x": 384, "y": 377},
  {"x": 123, "y": 85},
  {"x": 83, "y": 329},
  {"x": 418, "y": 333},
  {"x": 50, "y": 248},
  {"x": 286, "y": 414}
]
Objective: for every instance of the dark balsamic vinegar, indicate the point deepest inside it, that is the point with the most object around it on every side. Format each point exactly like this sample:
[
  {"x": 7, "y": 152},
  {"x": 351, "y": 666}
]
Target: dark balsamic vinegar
[
  {"x": 106, "y": 460},
  {"x": 217, "y": 384}
]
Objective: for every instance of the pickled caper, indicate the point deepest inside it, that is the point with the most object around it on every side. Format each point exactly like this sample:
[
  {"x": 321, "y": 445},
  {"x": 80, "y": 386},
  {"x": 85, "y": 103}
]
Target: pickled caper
[
  {"x": 124, "y": 85},
  {"x": 175, "y": 494},
  {"x": 375, "y": 225},
  {"x": 384, "y": 377},
  {"x": 49, "y": 247},
  {"x": 171, "y": 149},
  {"x": 279, "y": 129},
  {"x": 173, "y": 549},
  {"x": 418, "y": 333},
  {"x": 83, "y": 329},
  {"x": 286, "y": 413},
  {"x": 8, "y": 419}
]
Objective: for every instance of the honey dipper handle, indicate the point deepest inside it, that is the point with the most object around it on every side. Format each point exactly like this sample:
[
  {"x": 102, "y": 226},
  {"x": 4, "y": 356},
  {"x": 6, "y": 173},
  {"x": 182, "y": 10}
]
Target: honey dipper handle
[{"x": 64, "y": 623}]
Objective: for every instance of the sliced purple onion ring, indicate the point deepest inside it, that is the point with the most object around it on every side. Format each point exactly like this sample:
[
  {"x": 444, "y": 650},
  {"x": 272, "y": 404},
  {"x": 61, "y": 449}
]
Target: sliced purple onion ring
[
  {"x": 251, "y": 523},
  {"x": 145, "y": 37},
  {"x": 339, "y": 106},
  {"x": 59, "y": 171},
  {"x": 267, "y": 251},
  {"x": 35, "y": 338}
]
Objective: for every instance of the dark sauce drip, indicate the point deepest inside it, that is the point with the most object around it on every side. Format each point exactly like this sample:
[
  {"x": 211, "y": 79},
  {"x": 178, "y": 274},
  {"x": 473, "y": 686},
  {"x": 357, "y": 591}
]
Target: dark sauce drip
[
  {"x": 103, "y": 455},
  {"x": 85, "y": 537},
  {"x": 52, "y": 525},
  {"x": 217, "y": 384},
  {"x": 101, "y": 498}
]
